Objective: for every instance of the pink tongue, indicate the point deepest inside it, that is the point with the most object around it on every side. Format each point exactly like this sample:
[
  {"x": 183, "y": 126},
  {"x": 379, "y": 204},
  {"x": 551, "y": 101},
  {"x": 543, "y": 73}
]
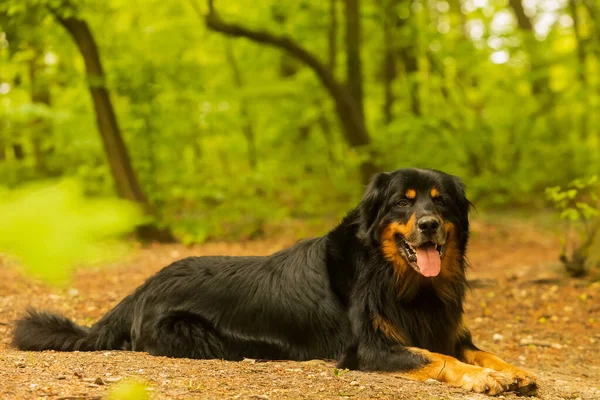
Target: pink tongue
[{"x": 428, "y": 260}]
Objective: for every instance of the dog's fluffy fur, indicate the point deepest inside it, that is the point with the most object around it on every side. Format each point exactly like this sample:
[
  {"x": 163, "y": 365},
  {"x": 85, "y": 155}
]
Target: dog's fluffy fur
[{"x": 361, "y": 294}]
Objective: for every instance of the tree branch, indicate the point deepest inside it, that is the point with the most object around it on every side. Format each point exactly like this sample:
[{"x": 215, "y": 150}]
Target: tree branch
[
  {"x": 522, "y": 19},
  {"x": 354, "y": 128},
  {"x": 280, "y": 42}
]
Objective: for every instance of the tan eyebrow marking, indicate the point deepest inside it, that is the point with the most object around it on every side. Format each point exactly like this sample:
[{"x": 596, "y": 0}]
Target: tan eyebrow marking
[
  {"x": 434, "y": 192},
  {"x": 411, "y": 194}
]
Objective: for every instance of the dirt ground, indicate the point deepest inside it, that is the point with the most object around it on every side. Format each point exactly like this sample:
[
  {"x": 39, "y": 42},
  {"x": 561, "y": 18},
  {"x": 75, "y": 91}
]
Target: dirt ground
[{"x": 520, "y": 307}]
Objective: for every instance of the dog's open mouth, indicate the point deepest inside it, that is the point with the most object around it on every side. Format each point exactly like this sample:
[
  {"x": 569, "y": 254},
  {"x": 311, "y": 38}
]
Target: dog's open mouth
[{"x": 425, "y": 258}]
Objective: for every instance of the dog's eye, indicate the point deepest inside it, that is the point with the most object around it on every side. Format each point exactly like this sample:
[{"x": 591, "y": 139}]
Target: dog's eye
[
  {"x": 439, "y": 201},
  {"x": 403, "y": 203}
]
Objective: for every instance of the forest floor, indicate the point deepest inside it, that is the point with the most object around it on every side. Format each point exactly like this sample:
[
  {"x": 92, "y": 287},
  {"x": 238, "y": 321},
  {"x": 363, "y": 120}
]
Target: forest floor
[{"x": 521, "y": 307}]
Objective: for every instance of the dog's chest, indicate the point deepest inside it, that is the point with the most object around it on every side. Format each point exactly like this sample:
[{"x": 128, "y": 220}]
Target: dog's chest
[{"x": 431, "y": 326}]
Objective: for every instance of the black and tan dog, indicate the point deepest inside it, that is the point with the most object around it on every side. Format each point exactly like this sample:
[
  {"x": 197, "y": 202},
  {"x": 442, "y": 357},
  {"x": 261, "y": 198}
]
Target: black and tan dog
[{"x": 383, "y": 291}]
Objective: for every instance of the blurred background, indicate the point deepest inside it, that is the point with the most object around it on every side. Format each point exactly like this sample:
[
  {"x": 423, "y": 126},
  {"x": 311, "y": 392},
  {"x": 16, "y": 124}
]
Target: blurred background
[{"x": 233, "y": 119}]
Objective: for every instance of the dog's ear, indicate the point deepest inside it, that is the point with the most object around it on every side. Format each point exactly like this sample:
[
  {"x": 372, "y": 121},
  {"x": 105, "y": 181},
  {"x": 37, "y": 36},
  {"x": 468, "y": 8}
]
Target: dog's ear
[{"x": 371, "y": 207}]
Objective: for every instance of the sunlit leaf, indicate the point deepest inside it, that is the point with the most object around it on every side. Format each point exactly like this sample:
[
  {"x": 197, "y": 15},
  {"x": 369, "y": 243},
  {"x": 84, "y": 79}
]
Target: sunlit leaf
[{"x": 51, "y": 227}]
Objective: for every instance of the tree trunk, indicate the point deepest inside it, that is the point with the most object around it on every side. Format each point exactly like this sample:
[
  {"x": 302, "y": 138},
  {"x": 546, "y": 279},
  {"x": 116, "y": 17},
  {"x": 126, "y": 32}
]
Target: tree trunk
[
  {"x": 411, "y": 67},
  {"x": 540, "y": 84},
  {"x": 18, "y": 151},
  {"x": 289, "y": 67},
  {"x": 590, "y": 6},
  {"x": 247, "y": 128},
  {"x": 40, "y": 127},
  {"x": 332, "y": 50},
  {"x": 389, "y": 61},
  {"x": 581, "y": 57},
  {"x": 127, "y": 184},
  {"x": 354, "y": 78},
  {"x": 455, "y": 8},
  {"x": 579, "y": 42},
  {"x": 407, "y": 54},
  {"x": 522, "y": 19},
  {"x": 332, "y": 36}
]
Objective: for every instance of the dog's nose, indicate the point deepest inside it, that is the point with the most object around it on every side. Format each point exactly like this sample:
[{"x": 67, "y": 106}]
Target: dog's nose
[{"x": 428, "y": 225}]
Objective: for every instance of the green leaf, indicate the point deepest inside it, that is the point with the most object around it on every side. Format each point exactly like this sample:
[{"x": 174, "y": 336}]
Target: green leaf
[{"x": 50, "y": 227}]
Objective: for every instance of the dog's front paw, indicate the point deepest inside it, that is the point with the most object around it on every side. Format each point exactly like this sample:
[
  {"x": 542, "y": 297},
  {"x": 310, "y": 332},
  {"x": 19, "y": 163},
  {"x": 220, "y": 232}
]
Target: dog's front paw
[
  {"x": 521, "y": 382},
  {"x": 485, "y": 381}
]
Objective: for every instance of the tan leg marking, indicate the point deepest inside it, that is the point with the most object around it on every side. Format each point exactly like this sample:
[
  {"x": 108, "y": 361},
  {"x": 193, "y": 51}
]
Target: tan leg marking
[
  {"x": 455, "y": 373},
  {"x": 520, "y": 381}
]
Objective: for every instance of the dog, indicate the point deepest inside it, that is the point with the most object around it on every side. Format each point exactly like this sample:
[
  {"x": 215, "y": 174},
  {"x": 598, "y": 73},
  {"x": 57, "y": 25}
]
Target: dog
[{"x": 382, "y": 291}]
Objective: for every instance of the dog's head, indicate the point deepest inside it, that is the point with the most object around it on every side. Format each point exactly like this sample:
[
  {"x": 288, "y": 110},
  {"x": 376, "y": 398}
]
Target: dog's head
[{"x": 418, "y": 219}]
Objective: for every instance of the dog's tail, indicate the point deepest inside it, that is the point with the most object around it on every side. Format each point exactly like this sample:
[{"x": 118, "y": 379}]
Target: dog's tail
[{"x": 41, "y": 330}]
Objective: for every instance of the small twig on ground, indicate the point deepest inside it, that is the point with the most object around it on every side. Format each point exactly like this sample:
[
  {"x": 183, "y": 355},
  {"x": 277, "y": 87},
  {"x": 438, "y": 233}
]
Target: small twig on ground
[
  {"x": 541, "y": 343},
  {"x": 482, "y": 283},
  {"x": 542, "y": 281}
]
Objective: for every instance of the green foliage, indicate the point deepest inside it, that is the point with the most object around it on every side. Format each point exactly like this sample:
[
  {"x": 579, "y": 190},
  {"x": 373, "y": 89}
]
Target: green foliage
[
  {"x": 578, "y": 204},
  {"x": 52, "y": 226},
  {"x": 512, "y": 112},
  {"x": 130, "y": 389},
  {"x": 578, "y": 201},
  {"x": 340, "y": 372}
]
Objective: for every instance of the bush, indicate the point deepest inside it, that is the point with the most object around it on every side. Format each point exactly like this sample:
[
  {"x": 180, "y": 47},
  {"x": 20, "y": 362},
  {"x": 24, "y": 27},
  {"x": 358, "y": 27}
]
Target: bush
[{"x": 578, "y": 206}]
